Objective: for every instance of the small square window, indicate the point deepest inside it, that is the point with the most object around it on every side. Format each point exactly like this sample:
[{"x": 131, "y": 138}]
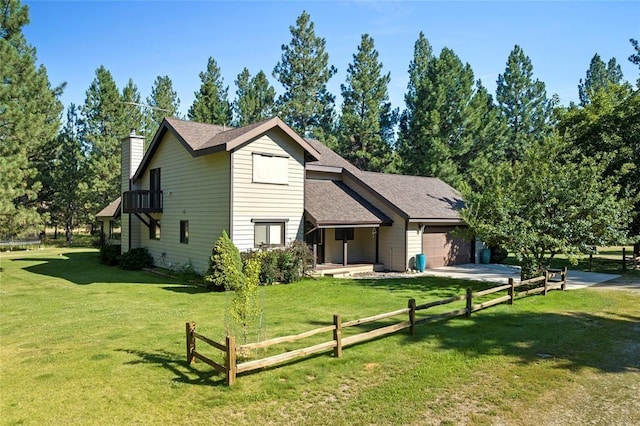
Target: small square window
[
  {"x": 269, "y": 234},
  {"x": 344, "y": 234},
  {"x": 184, "y": 231}
]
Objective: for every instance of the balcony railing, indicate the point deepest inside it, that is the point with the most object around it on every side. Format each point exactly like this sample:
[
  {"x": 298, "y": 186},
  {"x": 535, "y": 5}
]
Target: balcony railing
[{"x": 142, "y": 201}]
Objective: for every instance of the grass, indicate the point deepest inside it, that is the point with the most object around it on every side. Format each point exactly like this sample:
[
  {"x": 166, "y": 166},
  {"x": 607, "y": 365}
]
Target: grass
[{"x": 82, "y": 343}]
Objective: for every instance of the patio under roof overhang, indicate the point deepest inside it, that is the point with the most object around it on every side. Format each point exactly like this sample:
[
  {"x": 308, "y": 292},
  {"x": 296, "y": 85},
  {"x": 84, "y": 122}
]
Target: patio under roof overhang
[{"x": 332, "y": 204}]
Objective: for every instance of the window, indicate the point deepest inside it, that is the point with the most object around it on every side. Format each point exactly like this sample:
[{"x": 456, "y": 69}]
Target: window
[
  {"x": 270, "y": 169},
  {"x": 154, "y": 188},
  {"x": 184, "y": 231},
  {"x": 344, "y": 234},
  {"x": 270, "y": 234},
  {"x": 154, "y": 229}
]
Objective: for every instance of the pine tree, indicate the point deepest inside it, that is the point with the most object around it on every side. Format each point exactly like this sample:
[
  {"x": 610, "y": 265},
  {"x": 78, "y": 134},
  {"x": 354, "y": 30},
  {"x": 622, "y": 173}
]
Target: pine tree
[
  {"x": 68, "y": 177},
  {"x": 255, "y": 98},
  {"x": 367, "y": 120},
  {"x": 134, "y": 114},
  {"x": 599, "y": 76},
  {"x": 437, "y": 141},
  {"x": 163, "y": 102},
  {"x": 524, "y": 104},
  {"x": 29, "y": 118},
  {"x": 211, "y": 104},
  {"x": 304, "y": 71},
  {"x": 104, "y": 123},
  {"x": 408, "y": 146}
]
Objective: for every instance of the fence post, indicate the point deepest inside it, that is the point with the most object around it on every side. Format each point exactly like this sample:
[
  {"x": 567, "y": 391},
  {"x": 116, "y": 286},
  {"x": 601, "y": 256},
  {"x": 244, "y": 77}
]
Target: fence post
[
  {"x": 624, "y": 259},
  {"x": 546, "y": 281},
  {"x": 511, "y": 290},
  {"x": 412, "y": 315},
  {"x": 231, "y": 360},
  {"x": 337, "y": 335},
  {"x": 469, "y": 301},
  {"x": 564, "y": 278},
  {"x": 191, "y": 341}
]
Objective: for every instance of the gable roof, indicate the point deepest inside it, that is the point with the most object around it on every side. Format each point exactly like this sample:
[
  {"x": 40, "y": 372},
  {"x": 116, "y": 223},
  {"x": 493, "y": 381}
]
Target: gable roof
[
  {"x": 418, "y": 197},
  {"x": 202, "y": 139},
  {"x": 413, "y": 197},
  {"x": 332, "y": 203},
  {"x": 112, "y": 210}
]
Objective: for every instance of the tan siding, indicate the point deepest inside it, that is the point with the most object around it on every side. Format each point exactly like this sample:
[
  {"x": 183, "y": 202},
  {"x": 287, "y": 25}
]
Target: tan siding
[
  {"x": 194, "y": 189},
  {"x": 392, "y": 238},
  {"x": 414, "y": 244},
  {"x": 267, "y": 201}
]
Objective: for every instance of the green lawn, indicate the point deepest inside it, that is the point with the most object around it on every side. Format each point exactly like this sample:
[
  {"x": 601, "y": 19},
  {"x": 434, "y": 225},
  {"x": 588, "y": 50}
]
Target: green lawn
[{"x": 82, "y": 343}]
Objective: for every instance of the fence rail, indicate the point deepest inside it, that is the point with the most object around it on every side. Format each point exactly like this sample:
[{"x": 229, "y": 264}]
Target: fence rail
[{"x": 232, "y": 368}]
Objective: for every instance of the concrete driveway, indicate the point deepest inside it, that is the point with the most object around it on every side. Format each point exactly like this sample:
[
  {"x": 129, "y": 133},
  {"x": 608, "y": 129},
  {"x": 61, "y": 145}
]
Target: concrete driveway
[{"x": 501, "y": 274}]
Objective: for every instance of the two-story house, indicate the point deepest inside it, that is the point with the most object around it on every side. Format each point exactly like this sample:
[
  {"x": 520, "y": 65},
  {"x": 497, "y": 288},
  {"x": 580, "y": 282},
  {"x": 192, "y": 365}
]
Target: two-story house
[{"x": 265, "y": 185}]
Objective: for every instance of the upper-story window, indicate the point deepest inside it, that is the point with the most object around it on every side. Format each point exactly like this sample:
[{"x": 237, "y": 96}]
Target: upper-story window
[
  {"x": 269, "y": 168},
  {"x": 155, "y": 188}
]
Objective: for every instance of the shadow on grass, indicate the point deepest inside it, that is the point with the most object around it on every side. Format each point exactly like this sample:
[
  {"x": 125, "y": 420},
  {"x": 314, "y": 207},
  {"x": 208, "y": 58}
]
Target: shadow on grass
[
  {"x": 183, "y": 373},
  {"x": 436, "y": 286},
  {"x": 84, "y": 268},
  {"x": 572, "y": 340}
]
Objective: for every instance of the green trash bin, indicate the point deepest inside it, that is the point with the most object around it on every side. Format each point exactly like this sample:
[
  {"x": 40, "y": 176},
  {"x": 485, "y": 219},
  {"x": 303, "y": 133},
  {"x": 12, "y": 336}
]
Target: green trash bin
[{"x": 485, "y": 256}]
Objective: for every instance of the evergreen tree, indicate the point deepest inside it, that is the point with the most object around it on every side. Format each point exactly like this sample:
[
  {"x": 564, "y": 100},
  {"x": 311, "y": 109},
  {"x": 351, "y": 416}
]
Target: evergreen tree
[
  {"x": 437, "y": 140},
  {"x": 524, "y": 104},
  {"x": 211, "y": 104},
  {"x": 255, "y": 98},
  {"x": 409, "y": 139},
  {"x": 599, "y": 76},
  {"x": 104, "y": 123},
  {"x": 634, "y": 58},
  {"x": 134, "y": 114},
  {"x": 367, "y": 120},
  {"x": 29, "y": 119},
  {"x": 68, "y": 177},
  {"x": 163, "y": 102},
  {"x": 304, "y": 71}
]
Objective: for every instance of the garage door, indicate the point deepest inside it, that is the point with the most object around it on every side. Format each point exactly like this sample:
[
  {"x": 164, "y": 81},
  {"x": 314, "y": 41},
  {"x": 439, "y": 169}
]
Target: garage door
[{"x": 442, "y": 249}]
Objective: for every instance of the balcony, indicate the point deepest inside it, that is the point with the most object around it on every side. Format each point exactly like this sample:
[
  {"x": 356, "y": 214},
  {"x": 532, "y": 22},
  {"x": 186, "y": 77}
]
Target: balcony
[{"x": 142, "y": 201}]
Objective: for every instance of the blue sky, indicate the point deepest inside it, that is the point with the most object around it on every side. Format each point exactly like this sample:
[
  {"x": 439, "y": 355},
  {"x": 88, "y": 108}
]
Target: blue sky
[{"x": 144, "y": 39}]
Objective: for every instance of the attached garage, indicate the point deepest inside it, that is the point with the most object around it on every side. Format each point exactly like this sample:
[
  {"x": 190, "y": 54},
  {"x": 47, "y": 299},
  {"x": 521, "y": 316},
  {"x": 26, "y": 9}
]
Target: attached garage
[{"x": 442, "y": 248}]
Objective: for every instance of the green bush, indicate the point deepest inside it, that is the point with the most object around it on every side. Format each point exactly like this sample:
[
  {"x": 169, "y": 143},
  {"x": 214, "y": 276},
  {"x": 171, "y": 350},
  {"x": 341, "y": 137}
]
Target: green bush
[
  {"x": 187, "y": 273},
  {"x": 225, "y": 265},
  {"x": 136, "y": 258},
  {"x": 498, "y": 254},
  {"x": 110, "y": 254}
]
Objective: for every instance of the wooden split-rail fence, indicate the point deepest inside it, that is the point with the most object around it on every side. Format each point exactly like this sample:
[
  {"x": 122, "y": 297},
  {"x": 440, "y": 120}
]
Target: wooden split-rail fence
[
  {"x": 633, "y": 260},
  {"x": 552, "y": 279}
]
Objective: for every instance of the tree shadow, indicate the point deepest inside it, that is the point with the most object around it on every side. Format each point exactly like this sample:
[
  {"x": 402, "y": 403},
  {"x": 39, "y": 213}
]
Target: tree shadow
[
  {"x": 178, "y": 367},
  {"x": 436, "y": 286},
  {"x": 572, "y": 340},
  {"x": 84, "y": 268}
]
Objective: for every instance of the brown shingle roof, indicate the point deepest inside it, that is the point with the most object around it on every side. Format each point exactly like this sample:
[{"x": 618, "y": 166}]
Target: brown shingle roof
[
  {"x": 112, "y": 210},
  {"x": 202, "y": 139},
  {"x": 332, "y": 203},
  {"x": 418, "y": 197},
  {"x": 329, "y": 158}
]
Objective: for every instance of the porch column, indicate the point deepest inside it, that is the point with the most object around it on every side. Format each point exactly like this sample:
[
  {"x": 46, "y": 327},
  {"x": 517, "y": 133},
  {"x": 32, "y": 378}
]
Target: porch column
[
  {"x": 377, "y": 245},
  {"x": 315, "y": 255},
  {"x": 344, "y": 252}
]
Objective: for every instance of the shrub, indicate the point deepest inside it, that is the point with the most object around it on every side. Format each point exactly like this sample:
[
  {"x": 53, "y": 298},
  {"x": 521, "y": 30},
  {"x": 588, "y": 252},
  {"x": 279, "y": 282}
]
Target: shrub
[
  {"x": 110, "y": 254},
  {"x": 225, "y": 265},
  {"x": 136, "y": 258},
  {"x": 269, "y": 271},
  {"x": 498, "y": 254},
  {"x": 187, "y": 273},
  {"x": 295, "y": 261}
]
